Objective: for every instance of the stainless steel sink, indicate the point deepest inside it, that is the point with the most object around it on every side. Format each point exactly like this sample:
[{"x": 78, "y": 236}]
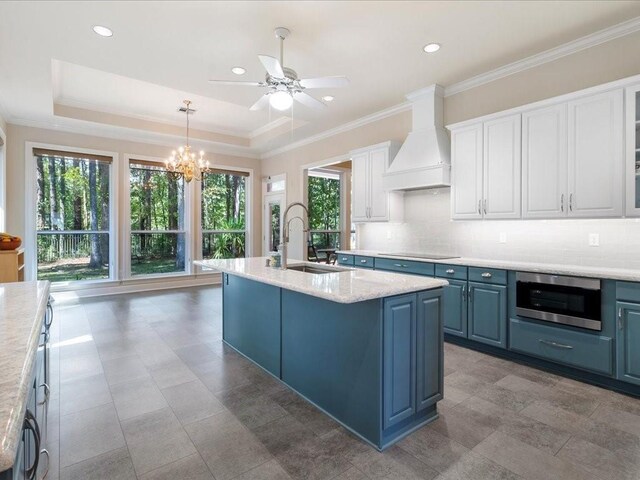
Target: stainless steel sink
[{"x": 316, "y": 269}]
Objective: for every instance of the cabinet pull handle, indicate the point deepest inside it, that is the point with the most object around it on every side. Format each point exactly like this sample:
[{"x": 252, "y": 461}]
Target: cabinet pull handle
[
  {"x": 45, "y": 452},
  {"x": 47, "y": 392},
  {"x": 450, "y": 271},
  {"x": 486, "y": 275},
  {"x": 556, "y": 344},
  {"x": 562, "y": 202},
  {"x": 31, "y": 424},
  {"x": 399, "y": 265},
  {"x": 363, "y": 261},
  {"x": 485, "y": 206},
  {"x": 479, "y": 207},
  {"x": 464, "y": 293},
  {"x": 620, "y": 318},
  {"x": 470, "y": 294},
  {"x": 571, "y": 202}
]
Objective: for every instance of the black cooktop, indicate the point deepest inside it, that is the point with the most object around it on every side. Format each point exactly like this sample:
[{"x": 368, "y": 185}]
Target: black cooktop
[{"x": 426, "y": 256}]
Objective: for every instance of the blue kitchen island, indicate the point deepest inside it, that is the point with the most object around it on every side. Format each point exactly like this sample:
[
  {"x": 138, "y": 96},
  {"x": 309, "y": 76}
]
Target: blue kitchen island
[{"x": 366, "y": 347}]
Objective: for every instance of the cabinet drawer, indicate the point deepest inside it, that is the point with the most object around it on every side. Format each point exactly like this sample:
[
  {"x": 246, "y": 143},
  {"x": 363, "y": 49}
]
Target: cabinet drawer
[
  {"x": 488, "y": 275},
  {"x": 627, "y": 291},
  {"x": 457, "y": 272},
  {"x": 405, "y": 266},
  {"x": 365, "y": 262},
  {"x": 345, "y": 259},
  {"x": 581, "y": 350}
]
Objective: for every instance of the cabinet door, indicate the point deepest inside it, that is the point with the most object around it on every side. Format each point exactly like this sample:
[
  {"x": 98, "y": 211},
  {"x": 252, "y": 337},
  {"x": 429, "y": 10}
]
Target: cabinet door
[
  {"x": 360, "y": 187},
  {"x": 429, "y": 349},
  {"x": 488, "y": 314},
  {"x": 399, "y": 359},
  {"x": 455, "y": 307},
  {"x": 466, "y": 171},
  {"x": 501, "y": 168},
  {"x": 632, "y": 153},
  {"x": 544, "y": 163},
  {"x": 595, "y": 156},
  {"x": 378, "y": 197},
  {"x": 628, "y": 353}
]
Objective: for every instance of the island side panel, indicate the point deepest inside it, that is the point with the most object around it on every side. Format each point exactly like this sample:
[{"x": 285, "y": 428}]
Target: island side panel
[
  {"x": 332, "y": 354},
  {"x": 251, "y": 320}
]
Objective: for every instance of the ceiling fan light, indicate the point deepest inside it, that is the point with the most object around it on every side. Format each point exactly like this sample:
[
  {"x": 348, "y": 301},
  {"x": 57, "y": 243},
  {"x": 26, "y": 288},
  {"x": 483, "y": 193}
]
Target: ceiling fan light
[{"x": 280, "y": 100}]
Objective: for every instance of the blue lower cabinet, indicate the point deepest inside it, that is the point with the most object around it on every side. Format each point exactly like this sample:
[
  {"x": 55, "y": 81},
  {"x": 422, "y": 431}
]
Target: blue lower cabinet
[
  {"x": 584, "y": 350},
  {"x": 628, "y": 342},
  {"x": 399, "y": 359},
  {"x": 405, "y": 266},
  {"x": 455, "y": 307},
  {"x": 488, "y": 314},
  {"x": 251, "y": 320},
  {"x": 363, "y": 262},
  {"x": 429, "y": 350}
]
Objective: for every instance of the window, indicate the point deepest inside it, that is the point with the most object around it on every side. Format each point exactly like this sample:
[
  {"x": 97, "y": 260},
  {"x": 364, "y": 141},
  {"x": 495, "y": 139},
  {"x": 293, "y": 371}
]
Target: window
[
  {"x": 223, "y": 214},
  {"x": 324, "y": 209},
  {"x": 157, "y": 210},
  {"x": 73, "y": 216}
]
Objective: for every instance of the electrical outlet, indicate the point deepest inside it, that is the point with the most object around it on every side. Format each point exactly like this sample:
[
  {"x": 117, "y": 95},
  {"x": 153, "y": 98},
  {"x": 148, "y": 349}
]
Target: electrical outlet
[
  {"x": 503, "y": 237},
  {"x": 594, "y": 239}
]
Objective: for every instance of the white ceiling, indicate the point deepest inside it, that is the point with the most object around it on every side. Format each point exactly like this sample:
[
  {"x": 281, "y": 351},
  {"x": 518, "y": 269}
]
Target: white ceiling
[{"x": 162, "y": 52}]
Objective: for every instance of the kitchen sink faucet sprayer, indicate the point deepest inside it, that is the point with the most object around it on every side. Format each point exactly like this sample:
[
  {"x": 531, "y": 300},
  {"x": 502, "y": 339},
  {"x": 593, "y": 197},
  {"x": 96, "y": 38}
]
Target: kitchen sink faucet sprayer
[{"x": 287, "y": 230}]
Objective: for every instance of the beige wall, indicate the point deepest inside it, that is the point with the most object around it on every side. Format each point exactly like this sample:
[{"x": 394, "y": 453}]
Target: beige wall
[
  {"x": 601, "y": 64},
  {"x": 18, "y": 135},
  {"x": 3, "y": 124}
]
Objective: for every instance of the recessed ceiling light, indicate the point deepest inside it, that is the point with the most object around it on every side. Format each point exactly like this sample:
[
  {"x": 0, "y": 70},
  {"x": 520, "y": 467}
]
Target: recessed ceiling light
[
  {"x": 238, "y": 70},
  {"x": 103, "y": 31},
  {"x": 431, "y": 47},
  {"x": 328, "y": 98}
]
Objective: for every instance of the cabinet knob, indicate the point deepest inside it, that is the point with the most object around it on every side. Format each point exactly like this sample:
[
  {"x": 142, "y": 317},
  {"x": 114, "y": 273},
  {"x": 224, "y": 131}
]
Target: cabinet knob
[
  {"x": 450, "y": 271},
  {"x": 486, "y": 275}
]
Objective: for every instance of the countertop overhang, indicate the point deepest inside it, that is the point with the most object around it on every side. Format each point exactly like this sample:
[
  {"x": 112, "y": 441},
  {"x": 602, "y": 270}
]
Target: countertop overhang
[
  {"x": 342, "y": 286},
  {"x": 623, "y": 274},
  {"x": 22, "y": 309}
]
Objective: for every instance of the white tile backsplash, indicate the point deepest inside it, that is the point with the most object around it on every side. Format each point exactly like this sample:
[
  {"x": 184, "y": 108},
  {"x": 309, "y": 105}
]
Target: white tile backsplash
[{"x": 428, "y": 229}]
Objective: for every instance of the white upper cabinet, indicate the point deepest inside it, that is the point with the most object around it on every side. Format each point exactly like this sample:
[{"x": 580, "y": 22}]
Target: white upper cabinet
[
  {"x": 632, "y": 153},
  {"x": 501, "y": 168},
  {"x": 595, "y": 153},
  {"x": 466, "y": 171},
  {"x": 370, "y": 202},
  {"x": 544, "y": 162},
  {"x": 359, "y": 187}
]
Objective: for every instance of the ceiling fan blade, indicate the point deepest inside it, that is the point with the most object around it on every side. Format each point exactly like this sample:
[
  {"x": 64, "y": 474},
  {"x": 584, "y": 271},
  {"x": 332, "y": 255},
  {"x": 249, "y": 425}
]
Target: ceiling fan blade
[
  {"x": 324, "y": 82},
  {"x": 262, "y": 102},
  {"x": 234, "y": 82},
  {"x": 272, "y": 66},
  {"x": 308, "y": 101}
]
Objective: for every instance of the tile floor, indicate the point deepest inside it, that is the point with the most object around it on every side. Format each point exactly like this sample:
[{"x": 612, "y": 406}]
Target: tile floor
[{"x": 144, "y": 389}]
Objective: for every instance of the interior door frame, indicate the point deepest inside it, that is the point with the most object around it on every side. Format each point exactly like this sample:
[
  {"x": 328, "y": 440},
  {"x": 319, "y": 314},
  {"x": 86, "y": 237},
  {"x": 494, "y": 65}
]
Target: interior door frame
[{"x": 266, "y": 199}]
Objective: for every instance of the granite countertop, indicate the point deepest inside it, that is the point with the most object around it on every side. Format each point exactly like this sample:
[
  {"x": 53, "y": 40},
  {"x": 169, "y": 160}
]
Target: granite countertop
[
  {"x": 22, "y": 309},
  {"x": 348, "y": 285},
  {"x": 550, "y": 268}
]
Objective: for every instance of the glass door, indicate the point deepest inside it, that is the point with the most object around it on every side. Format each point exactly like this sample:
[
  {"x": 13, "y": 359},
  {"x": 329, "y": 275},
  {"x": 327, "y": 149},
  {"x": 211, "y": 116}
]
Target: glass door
[
  {"x": 633, "y": 150},
  {"x": 272, "y": 228}
]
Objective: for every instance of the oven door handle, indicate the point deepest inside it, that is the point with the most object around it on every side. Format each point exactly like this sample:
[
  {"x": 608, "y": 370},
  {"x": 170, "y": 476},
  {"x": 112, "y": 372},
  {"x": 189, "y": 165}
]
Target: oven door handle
[{"x": 555, "y": 344}]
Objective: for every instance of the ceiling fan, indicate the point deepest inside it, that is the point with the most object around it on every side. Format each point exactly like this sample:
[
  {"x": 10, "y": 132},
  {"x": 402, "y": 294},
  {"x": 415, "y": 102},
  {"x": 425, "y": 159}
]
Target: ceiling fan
[{"x": 283, "y": 83}]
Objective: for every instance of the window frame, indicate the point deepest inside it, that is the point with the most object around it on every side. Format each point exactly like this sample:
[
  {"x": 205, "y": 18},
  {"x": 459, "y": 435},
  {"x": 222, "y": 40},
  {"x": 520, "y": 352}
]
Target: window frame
[
  {"x": 31, "y": 213},
  {"x": 335, "y": 175},
  {"x": 126, "y": 230},
  {"x": 248, "y": 218}
]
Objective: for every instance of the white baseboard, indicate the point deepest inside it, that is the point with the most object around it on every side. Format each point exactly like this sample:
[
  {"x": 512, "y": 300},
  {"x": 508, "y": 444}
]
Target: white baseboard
[{"x": 134, "y": 286}]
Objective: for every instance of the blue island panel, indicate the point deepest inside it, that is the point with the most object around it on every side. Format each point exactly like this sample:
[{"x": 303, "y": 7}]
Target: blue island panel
[
  {"x": 251, "y": 320},
  {"x": 331, "y": 354}
]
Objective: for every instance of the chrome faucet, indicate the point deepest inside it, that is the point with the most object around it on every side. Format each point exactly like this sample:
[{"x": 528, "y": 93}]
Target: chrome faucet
[{"x": 287, "y": 229}]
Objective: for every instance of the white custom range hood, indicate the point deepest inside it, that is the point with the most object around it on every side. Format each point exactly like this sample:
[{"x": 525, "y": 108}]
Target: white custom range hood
[{"x": 423, "y": 160}]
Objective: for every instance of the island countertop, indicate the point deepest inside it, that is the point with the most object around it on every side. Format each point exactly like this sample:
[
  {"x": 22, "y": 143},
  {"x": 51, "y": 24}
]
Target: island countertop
[
  {"x": 345, "y": 285},
  {"x": 22, "y": 310}
]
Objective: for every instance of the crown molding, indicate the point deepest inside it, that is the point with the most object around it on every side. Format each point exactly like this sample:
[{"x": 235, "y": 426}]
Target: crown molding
[
  {"x": 569, "y": 48},
  {"x": 133, "y": 135},
  {"x": 374, "y": 117}
]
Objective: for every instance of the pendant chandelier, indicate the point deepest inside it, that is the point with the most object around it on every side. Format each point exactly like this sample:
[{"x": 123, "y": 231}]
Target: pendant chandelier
[{"x": 183, "y": 162}]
